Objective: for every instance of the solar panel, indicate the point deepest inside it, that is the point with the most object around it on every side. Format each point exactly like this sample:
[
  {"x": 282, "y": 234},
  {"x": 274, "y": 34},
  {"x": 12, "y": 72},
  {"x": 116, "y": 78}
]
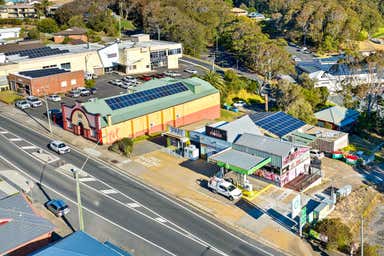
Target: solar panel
[
  {"x": 144, "y": 96},
  {"x": 42, "y": 72},
  {"x": 278, "y": 123}
]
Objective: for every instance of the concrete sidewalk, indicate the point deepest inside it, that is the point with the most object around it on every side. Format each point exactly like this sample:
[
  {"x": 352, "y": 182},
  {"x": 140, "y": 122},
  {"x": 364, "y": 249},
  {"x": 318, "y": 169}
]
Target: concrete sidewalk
[{"x": 170, "y": 175}]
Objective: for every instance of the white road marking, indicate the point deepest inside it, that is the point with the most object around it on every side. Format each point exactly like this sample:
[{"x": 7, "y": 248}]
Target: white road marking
[
  {"x": 89, "y": 210},
  {"x": 3, "y": 132},
  {"x": 108, "y": 191},
  {"x": 133, "y": 205},
  {"x": 159, "y": 219},
  {"x": 28, "y": 147},
  {"x": 87, "y": 179},
  {"x": 171, "y": 200},
  {"x": 15, "y": 139}
]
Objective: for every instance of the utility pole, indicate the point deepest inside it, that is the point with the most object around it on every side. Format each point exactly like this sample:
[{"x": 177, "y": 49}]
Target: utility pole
[
  {"x": 47, "y": 109},
  {"x": 362, "y": 236},
  {"x": 213, "y": 61},
  {"x": 158, "y": 32},
  {"x": 79, "y": 206},
  {"x": 120, "y": 14}
]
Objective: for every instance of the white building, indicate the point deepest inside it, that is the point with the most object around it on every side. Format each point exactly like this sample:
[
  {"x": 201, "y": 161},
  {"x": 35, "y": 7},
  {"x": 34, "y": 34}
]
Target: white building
[{"x": 6, "y": 33}]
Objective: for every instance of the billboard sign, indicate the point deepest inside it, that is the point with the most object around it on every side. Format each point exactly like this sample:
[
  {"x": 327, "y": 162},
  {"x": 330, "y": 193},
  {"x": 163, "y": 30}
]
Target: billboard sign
[
  {"x": 296, "y": 206},
  {"x": 216, "y": 133}
]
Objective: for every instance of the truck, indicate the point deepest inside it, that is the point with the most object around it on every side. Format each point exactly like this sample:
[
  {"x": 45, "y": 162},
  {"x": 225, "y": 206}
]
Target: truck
[{"x": 225, "y": 188}]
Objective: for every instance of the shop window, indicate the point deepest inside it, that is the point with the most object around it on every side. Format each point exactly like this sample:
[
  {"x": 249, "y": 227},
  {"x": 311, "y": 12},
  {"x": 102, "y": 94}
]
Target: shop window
[
  {"x": 66, "y": 66},
  {"x": 50, "y": 66},
  {"x": 73, "y": 82},
  {"x": 174, "y": 51}
]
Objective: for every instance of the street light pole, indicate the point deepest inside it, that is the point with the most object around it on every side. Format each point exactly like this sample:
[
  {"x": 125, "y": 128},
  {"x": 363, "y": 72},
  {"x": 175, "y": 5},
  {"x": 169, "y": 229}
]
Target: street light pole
[
  {"x": 47, "y": 109},
  {"x": 79, "y": 206},
  {"x": 362, "y": 237}
]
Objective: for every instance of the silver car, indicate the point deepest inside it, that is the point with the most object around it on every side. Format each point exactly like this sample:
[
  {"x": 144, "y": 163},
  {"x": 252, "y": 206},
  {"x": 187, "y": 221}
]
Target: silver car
[
  {"x": 59, "y": 147},
  {"x": 23, "y": 104}
]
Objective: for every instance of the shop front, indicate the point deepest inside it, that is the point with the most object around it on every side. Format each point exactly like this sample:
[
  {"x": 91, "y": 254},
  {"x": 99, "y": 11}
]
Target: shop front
[{"x": 176, "y": 139}]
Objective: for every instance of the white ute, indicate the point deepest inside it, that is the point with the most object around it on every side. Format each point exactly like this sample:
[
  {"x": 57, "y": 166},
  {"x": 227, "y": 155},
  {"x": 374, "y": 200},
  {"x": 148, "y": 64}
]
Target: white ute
[{"x": 225, "y": 188}]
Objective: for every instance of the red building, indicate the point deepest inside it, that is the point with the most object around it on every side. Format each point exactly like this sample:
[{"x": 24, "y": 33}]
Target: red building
[
  {"x": 73, "y": 33},
  {"x": 46, "y": 81}
]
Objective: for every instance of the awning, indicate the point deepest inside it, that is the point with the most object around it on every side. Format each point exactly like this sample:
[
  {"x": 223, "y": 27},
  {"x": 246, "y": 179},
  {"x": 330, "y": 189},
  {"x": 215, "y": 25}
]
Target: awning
[
  {"x": 239, "y": 161},
  {"x": 176, "y": 136}
]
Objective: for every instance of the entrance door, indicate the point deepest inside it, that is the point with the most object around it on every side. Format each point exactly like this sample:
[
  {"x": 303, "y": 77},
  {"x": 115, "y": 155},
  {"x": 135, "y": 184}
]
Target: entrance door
[{"x": 81, "y": 129}]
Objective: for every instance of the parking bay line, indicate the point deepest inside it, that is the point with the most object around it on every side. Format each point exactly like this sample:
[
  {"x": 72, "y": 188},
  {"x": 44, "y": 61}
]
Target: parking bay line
[
  {"x": 15, "y": 139},
  {"x": 28, "y": 147},
  {"x": 108, "y": 191}
]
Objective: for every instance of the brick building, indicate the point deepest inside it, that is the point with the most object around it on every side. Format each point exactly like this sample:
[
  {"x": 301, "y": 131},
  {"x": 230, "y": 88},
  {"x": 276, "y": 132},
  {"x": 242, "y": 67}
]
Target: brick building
[
  {"x": 73, "y": 33},
  {"x": 45, "y": 81}
]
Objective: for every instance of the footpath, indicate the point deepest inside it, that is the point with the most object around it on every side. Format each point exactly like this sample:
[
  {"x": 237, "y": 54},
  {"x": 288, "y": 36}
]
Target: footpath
[{"x": 172, "y": 176}]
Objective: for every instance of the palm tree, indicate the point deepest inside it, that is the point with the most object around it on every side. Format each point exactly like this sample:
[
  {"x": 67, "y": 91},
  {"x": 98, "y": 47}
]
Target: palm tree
[{"x": 216, "y": 80}]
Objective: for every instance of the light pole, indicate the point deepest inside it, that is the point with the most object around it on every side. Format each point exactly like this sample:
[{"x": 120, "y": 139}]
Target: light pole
[{"x": 47, "y": 109}]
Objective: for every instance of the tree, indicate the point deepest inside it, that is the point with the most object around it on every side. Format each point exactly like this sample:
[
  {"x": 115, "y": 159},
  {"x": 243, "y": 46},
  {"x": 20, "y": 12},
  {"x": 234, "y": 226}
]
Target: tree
[
  {"x": 33, "y": 33},
  {"x": 42, "y": 8},
  {"x": 76, "y": 21},
  {"x": 339, "y": 234},
  {"x": 216, "y": 81},
  {"x": 302, "y": 110},
  {"x": 47, "y": 25},
  {"x": 368, "y": 250}
]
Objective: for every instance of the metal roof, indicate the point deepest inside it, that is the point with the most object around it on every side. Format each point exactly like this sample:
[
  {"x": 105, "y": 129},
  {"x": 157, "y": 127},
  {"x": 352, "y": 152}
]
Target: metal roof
[
  {"x": 276, "y": 123},
  {"x": 25, "y": 224},
  {"x": 238, "y": 159},
  {"x": 197, "y": 88},
  {"x": 266, "y": 144},
  {"x": 338, "y": 115},
  {"x": 239, "y": 126},
  {"x": 80, "y": 244}
]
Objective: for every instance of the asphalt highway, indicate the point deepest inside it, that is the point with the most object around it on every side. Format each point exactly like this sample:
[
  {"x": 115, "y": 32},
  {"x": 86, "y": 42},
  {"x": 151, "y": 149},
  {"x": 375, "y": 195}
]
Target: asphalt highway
[{"x": 172, "y": 226}]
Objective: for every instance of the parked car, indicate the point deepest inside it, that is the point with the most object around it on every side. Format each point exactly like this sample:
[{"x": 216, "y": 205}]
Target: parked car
[
  {"x": 59, "y": 147},
  {"x": 74, "y": 93},
  {"x": 130, "y": 79},
  {"x": 84, "y": 91},
  {"x": 172, "y": 74},
  {"x": 54, "y": 112},
  {"x": 125, "y": 85},
  {"x": 239, "y": 103},
  {"x": 145, "y": 78},
  {"x": 34, "y": 101},
  {"x": 191, "y": 71},
  {"x": 225, "y": 188},
  {"x": 158, "y": 75},
  {"x": 314, "y": 153},
  {"x": 54, "y": 97},
  {"x": 57, "y": 207},
  {"x": 22, "y": 104},
  {"x": 93, "y": 90}
]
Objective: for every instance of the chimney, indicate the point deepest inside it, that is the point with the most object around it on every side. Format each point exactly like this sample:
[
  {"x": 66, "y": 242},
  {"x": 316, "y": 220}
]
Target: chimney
[{"x": 266, "y": 102}]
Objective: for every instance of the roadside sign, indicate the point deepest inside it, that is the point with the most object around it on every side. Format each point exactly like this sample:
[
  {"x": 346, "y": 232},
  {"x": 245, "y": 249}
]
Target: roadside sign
[
  {"x": 303, "y": 216},
  {"x": 296, "y": 206}
]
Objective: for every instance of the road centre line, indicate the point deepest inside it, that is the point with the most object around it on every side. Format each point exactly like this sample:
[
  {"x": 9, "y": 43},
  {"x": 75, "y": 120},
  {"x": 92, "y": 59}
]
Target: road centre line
[
  {"x": 15, "y": 139},
  {"x": 89, "y": 210},
  {"x": 87, "y": 179},
  {"x": 28, "y": 147},
  {"x": 171, "y": 200}
]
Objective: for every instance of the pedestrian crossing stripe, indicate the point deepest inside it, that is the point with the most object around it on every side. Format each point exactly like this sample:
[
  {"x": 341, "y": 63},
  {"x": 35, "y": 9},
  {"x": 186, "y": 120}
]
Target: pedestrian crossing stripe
[
  {"x": 109, "y": 191},
  {"x": 15, "y": 139},
  {"x": 3, "y": 132},
  {"x": 133, "y": 205},
  {"x": 159, "y": 219},
  {"x": 28, "y": 147}
]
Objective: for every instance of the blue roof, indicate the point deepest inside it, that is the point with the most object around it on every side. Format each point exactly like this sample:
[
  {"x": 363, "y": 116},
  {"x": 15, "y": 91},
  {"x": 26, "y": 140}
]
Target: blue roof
[
  {"x": 276, "y": 123},
  {"x": 81, "y": 244}
]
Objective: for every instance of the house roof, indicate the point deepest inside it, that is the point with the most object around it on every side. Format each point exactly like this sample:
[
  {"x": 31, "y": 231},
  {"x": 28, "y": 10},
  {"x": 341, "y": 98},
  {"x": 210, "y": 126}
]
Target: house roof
[
  {"x": 266, "y": 144},
  {"x": 42, "y": 72},
  {"x": 195, "y": 88},
  {"x": 276, "y": 123},
  {"x": 81, "y": 244},
  {"x": 72, "y": 31},
  {"x": 237, "y": 127},
  {"x": 24, "y": 225},
  {"x": 338, "y": 115}
]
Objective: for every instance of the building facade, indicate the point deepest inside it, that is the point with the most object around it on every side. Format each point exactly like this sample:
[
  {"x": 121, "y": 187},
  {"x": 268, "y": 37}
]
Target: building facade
[
  {"x": 18, "y": 11},
  {"x": 158, "y": 104},
  {"x": 45, "y": 81},
  {"x": 73, "y": 33}
]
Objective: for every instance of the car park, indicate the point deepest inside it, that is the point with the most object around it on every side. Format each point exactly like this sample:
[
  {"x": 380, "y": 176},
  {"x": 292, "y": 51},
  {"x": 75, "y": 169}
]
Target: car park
[
  {"x": 191, "y": 71},
  {"x": 129, "y": 79},
  {"x": 172, "y": 74},
  {"x": 34, "y": 101},
  {"x": 225, "y": 188},
  {"x": 55, "y": 114},
  {"x": 59, "y": 147},
  {"x": 125, "y": 85},
  {"x": 84, "y": 91},
  {"x": 73, "y": 93},
  {"x": 22, "y": 104},
  {"x": 93, "y": 90},
  {"x": 54, "y": 97},
  {"x": 57, "y": 207}
]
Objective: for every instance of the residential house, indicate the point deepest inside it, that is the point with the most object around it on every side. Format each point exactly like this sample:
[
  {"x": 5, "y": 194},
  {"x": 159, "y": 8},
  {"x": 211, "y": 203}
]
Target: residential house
[
  {"x": 73, "y": 33},
  {"x": 339, "y": 118},
  {"x": 9, "y": 33}
]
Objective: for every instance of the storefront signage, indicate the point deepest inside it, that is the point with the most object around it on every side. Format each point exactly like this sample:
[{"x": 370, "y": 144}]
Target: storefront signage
[
  {"x": 296, "y": 206},
  {"x": 176, "y": 131},
  {"x": 216, "y": 133}
]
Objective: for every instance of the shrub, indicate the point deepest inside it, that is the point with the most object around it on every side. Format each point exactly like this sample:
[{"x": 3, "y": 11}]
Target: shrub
[
  {"x": 123, "y": 146},
  {"x": 90, "y": 83},
  {"x": 369, "y": 250},
  {"x": 339, "y": 234},
  {"x": 9, "y": 97}
]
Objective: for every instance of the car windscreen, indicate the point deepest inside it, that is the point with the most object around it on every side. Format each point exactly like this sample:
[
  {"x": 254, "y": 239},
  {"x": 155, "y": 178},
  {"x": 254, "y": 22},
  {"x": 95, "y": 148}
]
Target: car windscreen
[
  {"x": 231, "y": 188},
  {"x": 34, "y": 99},
  {"x": 61, "y": 145},
  {"x": 62, "y": 208}
]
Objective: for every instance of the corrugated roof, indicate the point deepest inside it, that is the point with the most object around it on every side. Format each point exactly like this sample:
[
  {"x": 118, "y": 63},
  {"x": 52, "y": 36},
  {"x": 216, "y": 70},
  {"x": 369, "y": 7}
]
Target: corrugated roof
[
  {"x": 80, "y": 244},
  {"x": 266, "y": 144},
  {"x": 197, "y": 88},
  {"x": 72, "y": 31},
  {"x": 24, "y": 226},
  {"x": 338, "y": 115},
  {"x": 237, "y": 158},
  {"x": 239, "y": 126}
]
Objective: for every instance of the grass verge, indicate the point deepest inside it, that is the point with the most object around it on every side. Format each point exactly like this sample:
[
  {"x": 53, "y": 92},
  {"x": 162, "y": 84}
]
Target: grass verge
[{"x": 9, "y": 97}]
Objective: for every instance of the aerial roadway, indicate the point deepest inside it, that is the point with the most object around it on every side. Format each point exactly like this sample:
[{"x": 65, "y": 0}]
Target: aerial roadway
[{"x": 172, "y": 227}]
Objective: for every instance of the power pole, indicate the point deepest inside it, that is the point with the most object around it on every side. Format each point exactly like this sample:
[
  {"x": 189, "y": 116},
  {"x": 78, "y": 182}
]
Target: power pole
[
  {"x": 120, "y": 14},
  {"x": 213, "y": 61},
  {"x": 79, "y": 206},
  {"x": 362, "y": 236},
  {"x": 158, "y": 32}
]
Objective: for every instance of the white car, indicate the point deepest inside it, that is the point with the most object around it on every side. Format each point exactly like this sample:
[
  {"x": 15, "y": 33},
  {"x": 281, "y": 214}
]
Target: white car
[
  {"x": 130, "y": 79},
  {"x": 191, "y": 71},
  {"x": 314, "y": 153},
  {"x": 23, "y": 104},
  {"x": 59, "y": 147},
  {"x": 172, "y": 74},
  {"x": 225, "y": 188},
  {"x": 239, "y": 103},
  {"x": 34, "y": 101},
  {"x": 54, "y": 97},
  {"x": 84, "y": 91}
]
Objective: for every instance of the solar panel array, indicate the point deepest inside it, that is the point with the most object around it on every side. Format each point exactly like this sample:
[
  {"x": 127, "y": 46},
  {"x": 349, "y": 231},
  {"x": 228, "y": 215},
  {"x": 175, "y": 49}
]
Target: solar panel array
[
  {"x": 278, "y": 123},
  {"x": 38, "y": 52},
  {"x": 144, "y": 96},
  {"x": 43, "y": 72}
]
